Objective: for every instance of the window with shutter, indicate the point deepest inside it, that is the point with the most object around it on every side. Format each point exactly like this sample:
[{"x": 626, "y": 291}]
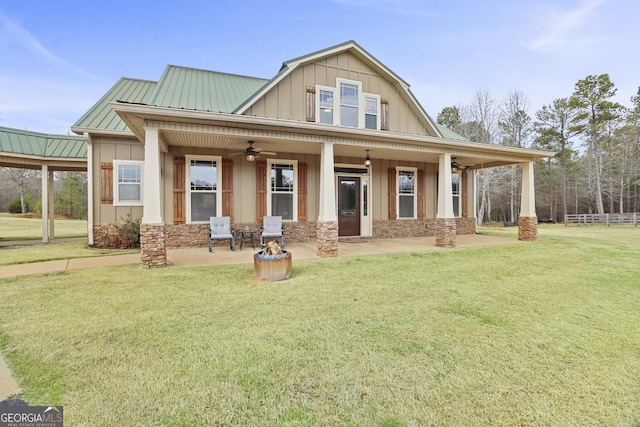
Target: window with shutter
[
  {"x": 203, "y": 188},
  {"x": 311, "y": 104},
  {"x": 392, "y": 193},
  {"x": 261, "y": 191},
  {"x": 227, "y": 189},
  {"x": 179, "y": 209},
  {"x": 106, "y": 182},
  {"x": 421, "y": 194},
  {"x": 384, "y": 120},
  {"x": 302, "y": 192}
]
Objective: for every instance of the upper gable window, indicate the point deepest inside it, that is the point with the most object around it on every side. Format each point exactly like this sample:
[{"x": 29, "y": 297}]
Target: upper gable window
[{"x": 347, "y": 105}]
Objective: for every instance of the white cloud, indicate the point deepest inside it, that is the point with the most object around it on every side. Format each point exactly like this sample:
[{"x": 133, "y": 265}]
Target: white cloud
[
  {"x": 13, "y": 33},
  {"x": 568, "y": 30}
]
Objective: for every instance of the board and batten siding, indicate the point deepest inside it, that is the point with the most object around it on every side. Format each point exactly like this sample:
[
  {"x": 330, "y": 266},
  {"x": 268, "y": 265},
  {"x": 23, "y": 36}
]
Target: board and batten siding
[
  {"x": 287, "y": 100},
  {"x": 106, "y": 150}
]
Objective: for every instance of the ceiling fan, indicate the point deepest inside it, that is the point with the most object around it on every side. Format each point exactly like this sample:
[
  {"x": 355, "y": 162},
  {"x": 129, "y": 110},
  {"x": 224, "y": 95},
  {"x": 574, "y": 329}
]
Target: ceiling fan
[
  {"x": 455, "y": 166},
  {"x": 251, "y": 153}
]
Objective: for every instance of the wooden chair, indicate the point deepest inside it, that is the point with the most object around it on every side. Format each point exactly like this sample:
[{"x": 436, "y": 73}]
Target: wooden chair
[
  {"x": 272, "y": 227},
  {"x": 220, "y": 229}
]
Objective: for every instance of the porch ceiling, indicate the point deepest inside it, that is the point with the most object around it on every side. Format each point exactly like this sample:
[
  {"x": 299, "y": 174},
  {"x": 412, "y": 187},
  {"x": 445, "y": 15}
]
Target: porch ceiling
[
  {"x": 230, "y": 133},
  {"x": 11, "y": 160}
]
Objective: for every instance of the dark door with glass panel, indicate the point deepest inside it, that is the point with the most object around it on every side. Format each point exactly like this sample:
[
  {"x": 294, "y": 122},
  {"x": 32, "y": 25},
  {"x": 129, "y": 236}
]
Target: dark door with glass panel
[{"x": 348, "y": 206}]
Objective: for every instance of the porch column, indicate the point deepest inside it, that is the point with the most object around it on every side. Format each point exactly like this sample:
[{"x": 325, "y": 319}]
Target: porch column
[
  {"x": 445, "y": 219},
  {"x": 152, "y": 228},
  {"x": 87, "y": 138},
  {"x": 45, "y": 203},
  {"x": 52, "y": 205},
  {"x": 327, "y": 232},
  {"x": 528, "y": 220}
]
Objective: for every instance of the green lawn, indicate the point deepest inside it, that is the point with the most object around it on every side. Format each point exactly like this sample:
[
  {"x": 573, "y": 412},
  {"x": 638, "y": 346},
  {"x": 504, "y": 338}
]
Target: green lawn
[
  {"x": 13, "y": 227},
  {"x": 544, "y": 333}
]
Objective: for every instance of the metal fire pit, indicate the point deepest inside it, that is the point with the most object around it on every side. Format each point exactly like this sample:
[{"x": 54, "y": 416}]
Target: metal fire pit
[{"x": 272, "y": 267}]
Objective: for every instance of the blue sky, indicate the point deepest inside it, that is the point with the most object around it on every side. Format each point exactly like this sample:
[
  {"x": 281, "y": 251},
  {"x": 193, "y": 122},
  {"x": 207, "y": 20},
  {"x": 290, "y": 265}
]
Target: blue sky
[{"x": 57, "y": 58}]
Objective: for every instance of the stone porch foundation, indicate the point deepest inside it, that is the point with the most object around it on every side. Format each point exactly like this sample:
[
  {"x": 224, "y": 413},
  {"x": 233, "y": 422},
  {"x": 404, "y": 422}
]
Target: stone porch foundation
[
  {"x": 528, "y": 228},
  {"x": 327, "y": 239},
  {"x": 153, "y": 245},
  {"x": 446, "y": 232}
]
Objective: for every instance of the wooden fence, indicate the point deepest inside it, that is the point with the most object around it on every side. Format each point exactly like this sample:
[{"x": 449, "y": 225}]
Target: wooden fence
[{"x": 608, "y": 219}]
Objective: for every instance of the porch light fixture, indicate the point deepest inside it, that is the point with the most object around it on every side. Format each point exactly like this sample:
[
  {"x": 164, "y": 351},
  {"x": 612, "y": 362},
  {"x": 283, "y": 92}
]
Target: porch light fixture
[
  {"x": 455, "y": 166},
  {"x": 250, "y": 157},
  {"x": 367, "y": 160}
]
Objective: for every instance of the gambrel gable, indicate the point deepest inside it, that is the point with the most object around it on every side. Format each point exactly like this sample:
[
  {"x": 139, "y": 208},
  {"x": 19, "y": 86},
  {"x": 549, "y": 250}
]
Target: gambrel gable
[{"x": 292, "y": 93}]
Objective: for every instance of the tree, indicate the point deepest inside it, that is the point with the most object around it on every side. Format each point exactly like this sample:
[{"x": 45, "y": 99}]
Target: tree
[
  {"x": 591, "y": 98},
  {"x": 514, "y": 124},
  {"x": 21, "y": 183},
  {"x": 71, "y": 199},
  {"x": 553, "y": 127},
  {"x": 450, "y": 117}
]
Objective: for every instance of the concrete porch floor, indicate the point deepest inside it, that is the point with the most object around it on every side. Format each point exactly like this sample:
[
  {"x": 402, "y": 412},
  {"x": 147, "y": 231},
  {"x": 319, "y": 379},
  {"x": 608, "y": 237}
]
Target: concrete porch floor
[{"x": 356, "y": 247}]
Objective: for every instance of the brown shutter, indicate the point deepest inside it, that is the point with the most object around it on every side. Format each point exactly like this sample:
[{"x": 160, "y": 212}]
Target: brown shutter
[
  {"x": 421, "y": 200},
  {"x": 179, "y": 211},
  {"x": 227, "y": 188},
  {"x": 464, "y": 189},
  {"x": 311, "y": 104},
  {"x": 392, "y": 193},
  {"x": 302, "y": 192},
  {"x": 106, "y": 180},
  {"x": 261, "y": 191},
  {"x": 384, "y": 119}
]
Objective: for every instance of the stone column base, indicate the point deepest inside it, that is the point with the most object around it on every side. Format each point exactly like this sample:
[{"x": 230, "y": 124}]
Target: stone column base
[
  {"x": 528, "y": 228},
  {"x": 153, "y": 245},
  {"x": 446, "y": 232},
  {"x": 327, "y": 236}
]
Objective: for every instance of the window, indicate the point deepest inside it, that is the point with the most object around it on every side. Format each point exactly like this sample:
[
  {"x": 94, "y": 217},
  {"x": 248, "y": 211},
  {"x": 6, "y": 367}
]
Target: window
[
  {"x": 407, "y": 199},
  {"x": 347, "y": 105},
  {"x": 371, "y": 112},
  {"x": 282, "y": 188},
  {"x": 128, "y": 183},
  {"x": 455, "y": 183},
  {"x": 326, "y": 106},
  {"x": 204, "y": 195}
]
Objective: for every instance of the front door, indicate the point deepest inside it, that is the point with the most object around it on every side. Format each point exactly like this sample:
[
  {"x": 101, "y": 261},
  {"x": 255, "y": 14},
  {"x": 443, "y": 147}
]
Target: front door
[{"x": 348, "y": 206}]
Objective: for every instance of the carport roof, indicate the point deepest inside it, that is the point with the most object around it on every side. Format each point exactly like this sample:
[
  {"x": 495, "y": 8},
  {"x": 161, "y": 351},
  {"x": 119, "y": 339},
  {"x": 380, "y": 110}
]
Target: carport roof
[
  {"x": 32, "y": 150},
  {"x": 30, "y": 143}
]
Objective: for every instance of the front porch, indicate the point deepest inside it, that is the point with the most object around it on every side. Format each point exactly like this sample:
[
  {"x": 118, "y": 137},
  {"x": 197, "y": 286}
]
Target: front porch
[{"x": 307, "y": 251}]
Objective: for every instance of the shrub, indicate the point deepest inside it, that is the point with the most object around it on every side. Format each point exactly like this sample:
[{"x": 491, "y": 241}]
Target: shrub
[
  {"x": 127, "y": 234},
  {"x": 16, "y": 207}
]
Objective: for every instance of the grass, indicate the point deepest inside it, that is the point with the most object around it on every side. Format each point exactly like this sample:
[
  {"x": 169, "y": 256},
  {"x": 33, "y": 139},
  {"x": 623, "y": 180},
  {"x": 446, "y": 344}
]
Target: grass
[
  {"x": 544, "y": 333},
  {"x": 13, "y": 227},
  {"x": 48, "y": 252}
]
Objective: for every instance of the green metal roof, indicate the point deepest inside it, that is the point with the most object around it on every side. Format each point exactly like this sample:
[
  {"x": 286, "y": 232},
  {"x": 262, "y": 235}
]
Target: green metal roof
[
  {"x": 102, "y": 116},
  {"x": 349, "y": 43},
  {"x": 193, "y": 89},
  {"x": 40, "y": 144},
  {"x": 448, "y": 133}
]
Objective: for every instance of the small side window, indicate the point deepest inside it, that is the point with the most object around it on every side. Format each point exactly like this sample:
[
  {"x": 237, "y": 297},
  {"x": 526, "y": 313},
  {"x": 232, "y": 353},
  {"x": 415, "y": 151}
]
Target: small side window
[{"x": 127, "y": 183}]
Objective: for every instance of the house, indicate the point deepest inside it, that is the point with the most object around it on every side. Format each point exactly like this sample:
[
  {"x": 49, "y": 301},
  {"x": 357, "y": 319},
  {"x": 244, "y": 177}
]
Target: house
[{"x": 335, "y": 143}]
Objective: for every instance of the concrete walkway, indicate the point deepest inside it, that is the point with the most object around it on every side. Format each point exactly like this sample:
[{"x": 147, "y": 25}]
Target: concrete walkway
[{"x": 222, "y": 255}]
